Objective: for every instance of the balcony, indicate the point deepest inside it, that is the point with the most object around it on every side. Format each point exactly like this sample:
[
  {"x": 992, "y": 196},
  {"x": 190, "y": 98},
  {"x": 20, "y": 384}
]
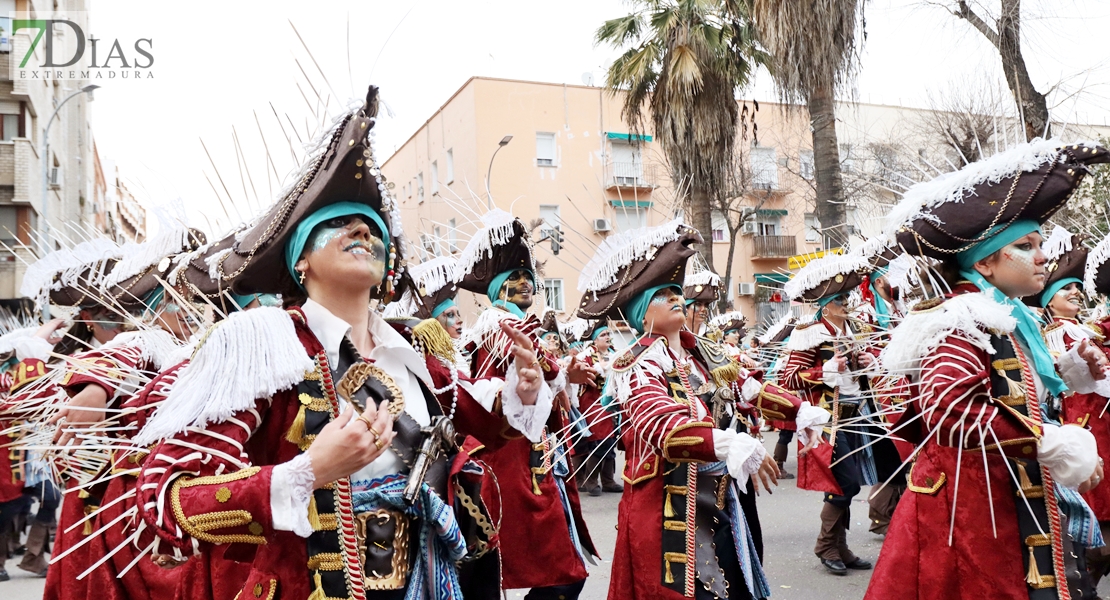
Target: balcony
[
  {"x": 630, "y": 176},
  {"x": 774, "y": 246}
]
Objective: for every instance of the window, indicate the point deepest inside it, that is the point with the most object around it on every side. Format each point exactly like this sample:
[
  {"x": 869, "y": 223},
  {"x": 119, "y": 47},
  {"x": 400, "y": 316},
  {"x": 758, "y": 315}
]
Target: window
[
  {"x": 550, "y": 215},
  {"x": 428, "y": 245},
  {"x": 553, "y": 293},
  {"x": 813, "y": 228},
  {"x": 9, "y": 127},
  {"x": 765, "y": 171},
  {"x": 437, "y": 238},
  {"x": 630, "y": 217},
  {"x": 435, "y": 177},
  {"x": 450, "y": 166},
  {"x": 720, "y": 227},
  {"x": 625, "y": 163},
  {"x": 452, "y": 237},
  {"x": 851, "y": 218},
  {"x": 768, "y": 224},
  {"x": 420, "y": 186},
  {"x": 545, "y": 149},
  {"x": 805, "y": 164}
]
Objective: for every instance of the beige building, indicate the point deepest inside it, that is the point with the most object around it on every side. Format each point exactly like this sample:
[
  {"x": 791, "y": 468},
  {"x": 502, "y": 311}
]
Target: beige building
[{"x": 573, "y": 163}]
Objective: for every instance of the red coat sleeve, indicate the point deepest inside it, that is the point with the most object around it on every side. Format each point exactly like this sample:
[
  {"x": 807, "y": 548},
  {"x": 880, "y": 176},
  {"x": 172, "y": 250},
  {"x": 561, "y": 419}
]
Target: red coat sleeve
[
  {"x": 955, "y": 401},
  {"x": 801, "y": 371},
  {"x": 471, "y": 418},
  {"x": 662, "y": 423}
]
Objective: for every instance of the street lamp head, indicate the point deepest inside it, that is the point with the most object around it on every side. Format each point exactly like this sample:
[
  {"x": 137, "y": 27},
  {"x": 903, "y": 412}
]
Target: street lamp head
[
  {"x": 89, "y": 88},
  {"x": 505, "y": 140}
]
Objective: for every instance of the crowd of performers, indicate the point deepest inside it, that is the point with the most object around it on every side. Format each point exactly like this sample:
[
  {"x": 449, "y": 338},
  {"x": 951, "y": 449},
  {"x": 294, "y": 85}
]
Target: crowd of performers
[{"x": 297, "y": 411}]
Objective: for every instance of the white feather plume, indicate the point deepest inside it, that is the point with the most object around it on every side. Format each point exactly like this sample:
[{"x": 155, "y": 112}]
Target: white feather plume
[
  {"x": 576, "y": 328},
  {"x": 620, "y": 250},
  {"x": 138, "y": 257},
  {"x": 497, "y": 231},
  {"x": 1057, "y": 244},
  {"x": 1095, "y": 260},
  {"x": 822, "y": 269},
  {"x": 62, "y": 267},
  {"x": 775, "y": 328}
]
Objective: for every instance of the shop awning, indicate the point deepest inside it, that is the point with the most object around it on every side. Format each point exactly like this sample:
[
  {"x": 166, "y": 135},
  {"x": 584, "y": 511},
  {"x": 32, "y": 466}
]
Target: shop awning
[
  {"x": 628, "y": 137},
  {"x": 630, "y": 203},
  {"x": 799, "y": 261},
  {"x": 772, "y": 277},
  {"x": 771, "y": 212}
]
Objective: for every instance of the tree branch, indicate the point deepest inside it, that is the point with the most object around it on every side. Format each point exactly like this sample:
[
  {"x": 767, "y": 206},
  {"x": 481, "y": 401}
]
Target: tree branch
[{"x": 963, "y": 11}]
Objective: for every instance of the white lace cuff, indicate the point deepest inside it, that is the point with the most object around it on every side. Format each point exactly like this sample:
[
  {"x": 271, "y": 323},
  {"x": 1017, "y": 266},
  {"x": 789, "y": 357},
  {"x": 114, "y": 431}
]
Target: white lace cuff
[
  {"x": 1074, "y": 371},
  {"x": 32, "y": 347},
  {"x": 528, "y": 420},
  {"x": 1069, "y": 452},
  {"x": 291, "y": 487},
  {"x": 810, "y": 420},
  {"x": 742, "y": 453},
  {"x": 750, "y": 389}
]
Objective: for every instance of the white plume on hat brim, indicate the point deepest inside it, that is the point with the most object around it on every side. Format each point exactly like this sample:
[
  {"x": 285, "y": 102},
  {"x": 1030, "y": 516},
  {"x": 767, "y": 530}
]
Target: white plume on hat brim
[{"x": 622, "y": 249}]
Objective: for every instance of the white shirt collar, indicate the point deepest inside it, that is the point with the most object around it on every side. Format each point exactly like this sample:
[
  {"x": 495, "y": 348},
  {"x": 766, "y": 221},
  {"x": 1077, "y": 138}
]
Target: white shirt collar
[
  {"x": 327, "y": 328},
  {"x": 330, "y": 331}
]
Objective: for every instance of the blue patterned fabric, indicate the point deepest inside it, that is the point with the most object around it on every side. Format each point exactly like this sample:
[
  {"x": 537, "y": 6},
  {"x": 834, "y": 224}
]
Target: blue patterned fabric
[
  {"x": 560, "y": 470},
  {"x": 752, "y": 569},
  {"x": 441, "y": 541}
]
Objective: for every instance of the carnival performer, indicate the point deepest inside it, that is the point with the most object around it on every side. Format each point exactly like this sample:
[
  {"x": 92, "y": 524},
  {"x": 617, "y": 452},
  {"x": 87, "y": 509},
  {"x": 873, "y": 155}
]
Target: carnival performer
[
  {"x": 530, "y": 468},
  {"x": 829, "y": 366},
  {"x": 702, "y": 290},
  {"x": 682, "y": 530},
  {"x": 288, "y": 440},
  {"x": 599, "y": 468},
  {"x": 995, "y": 486}
]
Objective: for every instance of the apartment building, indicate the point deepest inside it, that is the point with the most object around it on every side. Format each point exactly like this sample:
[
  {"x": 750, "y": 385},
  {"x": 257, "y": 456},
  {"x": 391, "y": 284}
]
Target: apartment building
[{"x": 560, "y": 155}]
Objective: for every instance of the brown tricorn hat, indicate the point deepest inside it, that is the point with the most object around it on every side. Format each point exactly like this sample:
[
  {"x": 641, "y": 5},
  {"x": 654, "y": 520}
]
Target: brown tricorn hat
[
  {"x": 71, "y": 276},
  {"x": 1067, "y": 259},
  {"x": 830, "y": 275},
  {"x": 146, "y": 265},
  {"x": 730, "y": 321},
  {"x": 629, "y": 263},
  {"x": 192, "y": 274},
  {"x": 345, "y": 171},
  {"x": 701, "y": 283},
  {"x": 957, "y": 210},
  {"x": 502, "y": 244},
  {"x": 549, "y": 324}
]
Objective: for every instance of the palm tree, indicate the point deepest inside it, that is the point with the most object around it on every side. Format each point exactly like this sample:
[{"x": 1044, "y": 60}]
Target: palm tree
[
  {"x": 681, "y": 66},
  {"x": 814, "y": 54}
]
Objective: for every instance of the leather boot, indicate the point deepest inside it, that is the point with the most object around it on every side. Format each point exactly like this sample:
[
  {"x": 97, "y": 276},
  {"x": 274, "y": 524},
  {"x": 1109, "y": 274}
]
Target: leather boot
[
  {"x": 828, "y": 540},
  {"x": 34, "y": 561},
  {"x": 781, "y": 451},
  {"x": 577, "y": 466},
  {"x": 592, "y": 468},
  {"x": 608, "y": 474}
]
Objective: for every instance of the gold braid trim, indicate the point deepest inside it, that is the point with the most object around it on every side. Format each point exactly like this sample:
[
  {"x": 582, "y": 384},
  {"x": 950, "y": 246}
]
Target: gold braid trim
[{"x": 198, "y": 526}]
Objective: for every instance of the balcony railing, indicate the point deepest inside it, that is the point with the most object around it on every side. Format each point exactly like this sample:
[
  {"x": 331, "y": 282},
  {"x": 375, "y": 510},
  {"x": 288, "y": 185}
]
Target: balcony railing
[
  {"x": 630, "y": 175},
  {"x": 774, "y": 246}
]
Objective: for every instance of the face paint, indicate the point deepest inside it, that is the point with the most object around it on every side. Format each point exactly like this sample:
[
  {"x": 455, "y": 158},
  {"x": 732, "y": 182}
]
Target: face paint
[
  {"x": 323, "y": 235},
  {"x": 518, "y": 289},
  {"x": 1021, "y": 259}
]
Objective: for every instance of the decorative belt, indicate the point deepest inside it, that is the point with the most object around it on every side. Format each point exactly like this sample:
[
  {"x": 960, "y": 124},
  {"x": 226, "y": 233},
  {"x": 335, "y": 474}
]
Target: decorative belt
[{"x": 383, "y": 548}]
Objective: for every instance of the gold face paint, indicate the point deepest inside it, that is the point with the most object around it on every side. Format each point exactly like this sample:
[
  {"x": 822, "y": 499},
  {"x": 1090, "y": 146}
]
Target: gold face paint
[{"x": 518, "y": 289}]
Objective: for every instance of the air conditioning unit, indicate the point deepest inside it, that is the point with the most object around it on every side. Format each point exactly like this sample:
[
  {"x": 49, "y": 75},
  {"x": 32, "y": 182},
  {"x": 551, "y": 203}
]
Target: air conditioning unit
[
  {"x": 55, "y": 178},
  {"x": 749, "y": 228},
  {"x": 747, "y": 288},
  {"x": 602, "y": 225}
]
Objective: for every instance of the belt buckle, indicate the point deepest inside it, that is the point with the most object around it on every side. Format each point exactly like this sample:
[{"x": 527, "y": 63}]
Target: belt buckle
[{"x": 387, "y": 531}]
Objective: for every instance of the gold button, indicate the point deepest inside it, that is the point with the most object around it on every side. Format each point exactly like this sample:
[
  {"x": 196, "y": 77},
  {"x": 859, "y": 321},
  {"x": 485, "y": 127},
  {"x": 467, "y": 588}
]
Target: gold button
[
  {"x": 358, "y": 163},
  {"x": 929, "y": 481},
  {"x": 839, "y": 279},
  {"x": 257, "y": 590},
  {"x": 1027, "y": 450},
  {"x": 358, "y": 175},
  {"x": 223, "y": 495},
  {"x": 255, "y": 528},
  {"x": 647, "y": 467},
  {"x": 351, "y": 143},
  {"x": 686, "y": 453}
]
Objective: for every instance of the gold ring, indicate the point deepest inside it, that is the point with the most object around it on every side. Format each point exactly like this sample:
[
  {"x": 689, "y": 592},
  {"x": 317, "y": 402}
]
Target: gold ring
[
  {"x": 365, "y": 421},
  {"x": 376, "y": 433},
  {"x": 378, "y": 443}
]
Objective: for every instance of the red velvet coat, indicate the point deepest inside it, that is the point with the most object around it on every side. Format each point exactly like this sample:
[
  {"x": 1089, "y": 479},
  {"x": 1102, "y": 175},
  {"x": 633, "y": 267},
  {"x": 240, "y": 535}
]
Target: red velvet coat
[
  {"x": 600, "y": 421},
  {"x": 658, "y": 428},
  {"x": 211, "y": 487},
  {"x": 1089, "y": 411},
  {"x": 536, "y": 547},
  {"x": 917, "y": 561}
]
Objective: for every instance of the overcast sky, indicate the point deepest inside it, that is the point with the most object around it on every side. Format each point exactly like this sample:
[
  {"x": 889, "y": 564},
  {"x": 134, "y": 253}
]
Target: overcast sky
[{"x": 216, "y": 63}]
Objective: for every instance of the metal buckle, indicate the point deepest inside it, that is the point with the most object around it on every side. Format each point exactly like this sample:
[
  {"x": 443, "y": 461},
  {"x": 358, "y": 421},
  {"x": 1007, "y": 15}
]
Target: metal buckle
[{"x": 398, "y": 576}]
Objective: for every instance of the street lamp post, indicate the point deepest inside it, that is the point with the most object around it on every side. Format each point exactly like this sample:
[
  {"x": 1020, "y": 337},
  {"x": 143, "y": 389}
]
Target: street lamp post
[
  {"x": 44, "y": 225},
  {"x": 504, "y": 142}
]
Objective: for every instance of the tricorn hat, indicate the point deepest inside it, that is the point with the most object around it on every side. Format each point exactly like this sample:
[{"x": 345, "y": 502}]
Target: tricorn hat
[
  {"x": 1067, "y": 259},
  {"x": 957, "y": 210},
  {"x": 138, "y": 273},
  {"x": 701, "y": 283},
  {"x": 430, "y": 285},
  {"x": 72, "y": 276},
  {"x": 629, "y": 263},
  {"x": 730, "y": 321},
  {"x": 502, "y": 244},
  {"x": 549, "y": 324},
  {"x": 1097, "y": 271},
  {"x": 344, "y": 169},
  {"x": 830, "y": 275}
]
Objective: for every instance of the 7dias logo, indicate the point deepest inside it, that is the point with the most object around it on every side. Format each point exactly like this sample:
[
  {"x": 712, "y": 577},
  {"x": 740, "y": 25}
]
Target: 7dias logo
[{"x": 58, "y": 48}]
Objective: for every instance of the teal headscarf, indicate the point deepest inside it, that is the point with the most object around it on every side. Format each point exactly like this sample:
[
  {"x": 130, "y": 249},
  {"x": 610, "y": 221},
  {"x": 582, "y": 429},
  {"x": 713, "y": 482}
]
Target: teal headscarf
[
  {"x": 243, "y": 300},
  {"x": 1028, "y": 329},
  {"x": 442, "y": 306},
  {"x": 493, "y": 291},
  {"x": 1051, "y": 290},
  {"x": 153, "y": 298},
  {"x": 636, "y": 309},
  {"x": 599, "y": 331},
  {"x": 295, "y": 246},
  {"x": 882, "y": 311}
]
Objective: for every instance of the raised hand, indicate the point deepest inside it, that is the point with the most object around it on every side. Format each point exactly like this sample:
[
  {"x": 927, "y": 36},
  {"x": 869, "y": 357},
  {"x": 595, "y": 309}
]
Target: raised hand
[
  {"x": 529, "y": 374},
  {"x": 1095, "y": 358},
  {"x": 350, "y": 442},
  {"x": 49, "y": 331},
  {"x": 84, "y": 409}
]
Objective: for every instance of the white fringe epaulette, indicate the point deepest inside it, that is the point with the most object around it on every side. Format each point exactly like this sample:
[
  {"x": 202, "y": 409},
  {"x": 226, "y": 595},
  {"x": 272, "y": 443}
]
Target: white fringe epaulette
[
  {"x": 953, "y": 186},
  {"x": 137, "y": 258},
  {"x": 1057, "y": 244},
  {"x": 655, "y": 361},
  {"x": 496, "y": 231},
  {"x": 576, "y": 328},
  {"x": 250, "y": 355},
  {"x": 702, "y": 277},
  {"x": 620, "y": 250},
  {"x": 156, "y": 346},
  {"x": 971, "y": 316},
  {"x": 822, "y": 269},
  {"x": 807, "y": 336},
  {"x": 774, "y": 329},
  {"x": 1054, "y": 335},
  {"x": 63, "y": 267},
  {"x": 1095, "y": 259}
]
